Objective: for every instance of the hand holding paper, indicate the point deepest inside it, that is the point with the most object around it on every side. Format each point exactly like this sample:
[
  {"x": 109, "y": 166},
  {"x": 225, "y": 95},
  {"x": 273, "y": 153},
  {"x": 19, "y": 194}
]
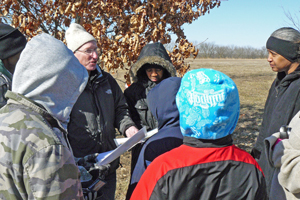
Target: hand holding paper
[{"x": 108, "y": 157}]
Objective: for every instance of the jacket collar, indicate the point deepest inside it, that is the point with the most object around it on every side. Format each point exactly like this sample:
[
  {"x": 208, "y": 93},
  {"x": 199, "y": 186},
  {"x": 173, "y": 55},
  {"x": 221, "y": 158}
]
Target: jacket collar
[
  {"x": 284, "y": 79},
  {"x": 201, "y": 143},
  {"x": 94, "y": 75}
]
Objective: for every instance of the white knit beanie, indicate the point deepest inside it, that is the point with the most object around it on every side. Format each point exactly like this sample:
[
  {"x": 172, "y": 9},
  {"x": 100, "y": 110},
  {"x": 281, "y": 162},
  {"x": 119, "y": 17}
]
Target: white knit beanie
[{"x": 76, "y": 36}]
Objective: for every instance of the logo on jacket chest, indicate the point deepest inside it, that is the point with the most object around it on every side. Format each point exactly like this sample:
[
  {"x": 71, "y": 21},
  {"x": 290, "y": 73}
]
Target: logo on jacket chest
[{"x": 108, "y": 91}]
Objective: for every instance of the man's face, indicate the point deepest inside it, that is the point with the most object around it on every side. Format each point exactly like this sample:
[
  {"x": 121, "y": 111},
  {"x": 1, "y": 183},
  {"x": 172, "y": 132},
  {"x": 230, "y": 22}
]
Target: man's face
[
  {"x": 87, "y": 55},
  {"x": 155, "y": 74},
  {"x": 278, "y": 63}
]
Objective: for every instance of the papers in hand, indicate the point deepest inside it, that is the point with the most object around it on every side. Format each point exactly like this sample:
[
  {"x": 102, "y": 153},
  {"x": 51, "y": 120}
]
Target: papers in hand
[
  {"x": 108, "y": 157},
  {"x": 120, "y": 141}
]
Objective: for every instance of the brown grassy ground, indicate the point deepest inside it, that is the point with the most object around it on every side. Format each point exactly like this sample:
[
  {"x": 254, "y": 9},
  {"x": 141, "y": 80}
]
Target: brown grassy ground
[{"x": 253, "y": 79}]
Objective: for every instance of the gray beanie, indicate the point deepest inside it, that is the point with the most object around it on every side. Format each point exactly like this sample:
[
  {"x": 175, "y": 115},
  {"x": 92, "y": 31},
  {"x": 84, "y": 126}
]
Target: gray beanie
[{"x": 76, "y": 36}]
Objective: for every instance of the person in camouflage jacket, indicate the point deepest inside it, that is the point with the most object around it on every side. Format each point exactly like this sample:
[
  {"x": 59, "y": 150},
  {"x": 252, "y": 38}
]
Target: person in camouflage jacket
[{"x": 36, "y": 161}]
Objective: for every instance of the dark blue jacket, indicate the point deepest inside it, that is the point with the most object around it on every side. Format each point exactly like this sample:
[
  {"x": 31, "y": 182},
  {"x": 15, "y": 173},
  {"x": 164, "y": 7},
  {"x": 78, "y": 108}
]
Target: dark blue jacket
[{"x": 161, "y": 101}]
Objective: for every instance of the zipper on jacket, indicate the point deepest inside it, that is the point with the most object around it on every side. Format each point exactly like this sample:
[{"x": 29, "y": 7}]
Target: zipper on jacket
[
  {"x": 276, "y": 89},
  {"x": 98, "y": 117}
]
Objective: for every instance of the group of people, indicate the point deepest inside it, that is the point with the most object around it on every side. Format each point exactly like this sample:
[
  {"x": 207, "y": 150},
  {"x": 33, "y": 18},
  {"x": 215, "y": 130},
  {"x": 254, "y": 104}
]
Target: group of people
[{"x": 60, "y": 110}]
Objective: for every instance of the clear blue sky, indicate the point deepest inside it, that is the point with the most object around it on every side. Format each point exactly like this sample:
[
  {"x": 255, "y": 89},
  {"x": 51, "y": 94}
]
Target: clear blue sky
[{"x": 242, "y": 22}]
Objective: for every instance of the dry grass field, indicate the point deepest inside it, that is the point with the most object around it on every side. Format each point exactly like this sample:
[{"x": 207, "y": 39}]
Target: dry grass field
[{"x": 253, "y": 79}]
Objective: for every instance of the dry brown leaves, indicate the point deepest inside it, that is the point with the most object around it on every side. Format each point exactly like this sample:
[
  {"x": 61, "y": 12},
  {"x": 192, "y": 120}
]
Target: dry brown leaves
[{"x": 122, "y": 28}]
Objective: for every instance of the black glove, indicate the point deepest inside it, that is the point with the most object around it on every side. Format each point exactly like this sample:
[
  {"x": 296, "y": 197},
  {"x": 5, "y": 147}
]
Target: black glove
[
  {"x": 87, "y": 161},
  {"x": 99, "y": 171},
  {"x": 89, "y": 194},
  {"x": 91, "y": 189}
]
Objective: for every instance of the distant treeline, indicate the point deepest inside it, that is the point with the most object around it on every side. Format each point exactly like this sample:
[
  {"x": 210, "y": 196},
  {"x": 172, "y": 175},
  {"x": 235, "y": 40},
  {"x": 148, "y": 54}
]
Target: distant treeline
[{"x": 211, "y": 50}]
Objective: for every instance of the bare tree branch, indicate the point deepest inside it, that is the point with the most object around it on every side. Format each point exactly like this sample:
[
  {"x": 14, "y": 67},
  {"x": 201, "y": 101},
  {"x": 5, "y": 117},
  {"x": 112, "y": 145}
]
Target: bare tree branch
[{"x": 294, "y": 20}]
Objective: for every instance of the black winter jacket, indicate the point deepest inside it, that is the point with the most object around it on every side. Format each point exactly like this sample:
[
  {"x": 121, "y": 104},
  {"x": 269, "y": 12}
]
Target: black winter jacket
[
  {"x": 136, "y": 93},
  {"x": 98, "y": 111},
  {"x": 136, "y": 97},
  {"x": 282, "y": 104},
  {"x": 202, "y": 169}
]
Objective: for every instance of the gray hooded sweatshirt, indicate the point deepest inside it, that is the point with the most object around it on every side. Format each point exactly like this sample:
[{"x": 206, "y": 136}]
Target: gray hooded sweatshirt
[
  {"x": 36, "y": 160},
  {"x": 56, "y": 80}
]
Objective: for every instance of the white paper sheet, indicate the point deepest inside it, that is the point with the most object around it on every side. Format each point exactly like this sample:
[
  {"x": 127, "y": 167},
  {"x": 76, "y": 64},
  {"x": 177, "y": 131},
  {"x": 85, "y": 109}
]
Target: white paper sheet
[
  {"x": 120, "y": 141},
  {"x": 108, "y": 157}
]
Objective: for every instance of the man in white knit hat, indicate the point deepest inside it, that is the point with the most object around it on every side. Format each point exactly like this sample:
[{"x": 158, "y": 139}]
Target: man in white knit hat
[{"x": 99, "y": 110}]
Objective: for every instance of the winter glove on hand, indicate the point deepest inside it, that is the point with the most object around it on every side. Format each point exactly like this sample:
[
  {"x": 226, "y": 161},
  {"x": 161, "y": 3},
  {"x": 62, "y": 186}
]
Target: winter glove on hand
[
  {"x": 99, "y": 171},
  {"x": 87, "y": 161},
  {"x": 89, "y": 194}
]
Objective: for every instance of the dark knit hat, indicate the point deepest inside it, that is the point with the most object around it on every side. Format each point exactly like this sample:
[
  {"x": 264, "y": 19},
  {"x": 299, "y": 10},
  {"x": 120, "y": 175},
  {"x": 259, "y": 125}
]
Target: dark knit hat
[
  {"x": 12, "y": 41},
  {"x": 287, "y": 49}
]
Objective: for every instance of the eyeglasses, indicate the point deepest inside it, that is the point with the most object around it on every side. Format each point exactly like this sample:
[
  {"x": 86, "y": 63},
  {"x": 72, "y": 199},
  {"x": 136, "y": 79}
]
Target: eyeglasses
[{"x": 90, "y": 51}]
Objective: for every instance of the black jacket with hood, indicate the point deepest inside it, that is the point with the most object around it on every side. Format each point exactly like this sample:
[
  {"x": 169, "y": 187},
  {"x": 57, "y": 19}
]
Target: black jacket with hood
[
  {"x": 282, "y": 104},
  {"x": 98, "y": 111},
  {"x": 136, "y": 94}
]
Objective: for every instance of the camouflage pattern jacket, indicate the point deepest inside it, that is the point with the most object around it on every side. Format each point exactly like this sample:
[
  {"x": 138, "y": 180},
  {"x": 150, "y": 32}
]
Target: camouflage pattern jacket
[{"x": 36, "y": 161}]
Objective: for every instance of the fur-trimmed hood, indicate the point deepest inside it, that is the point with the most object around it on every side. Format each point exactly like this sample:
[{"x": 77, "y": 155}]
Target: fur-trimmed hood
[{"x": 153, "y": 53}]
